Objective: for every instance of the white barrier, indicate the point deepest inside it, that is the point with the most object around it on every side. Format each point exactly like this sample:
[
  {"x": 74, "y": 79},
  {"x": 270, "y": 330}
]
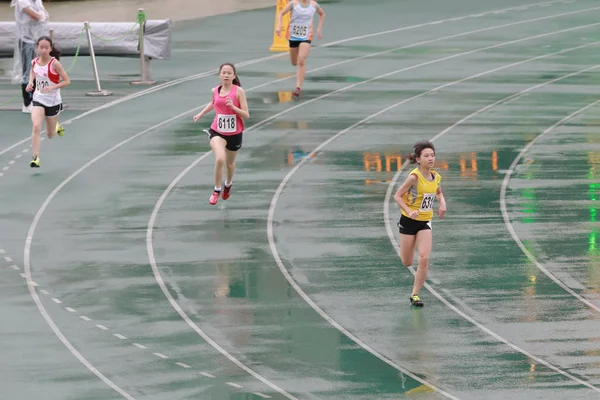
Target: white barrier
[{"x": 145, "y": 39}]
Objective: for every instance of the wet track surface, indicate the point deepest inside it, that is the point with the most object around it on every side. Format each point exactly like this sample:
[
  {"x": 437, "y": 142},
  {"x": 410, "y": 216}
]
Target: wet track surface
[{"x": 111, "y": 229}]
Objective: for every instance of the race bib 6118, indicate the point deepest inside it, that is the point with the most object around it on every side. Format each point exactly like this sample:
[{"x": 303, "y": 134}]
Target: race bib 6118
[{"x": 226, "y": 123}]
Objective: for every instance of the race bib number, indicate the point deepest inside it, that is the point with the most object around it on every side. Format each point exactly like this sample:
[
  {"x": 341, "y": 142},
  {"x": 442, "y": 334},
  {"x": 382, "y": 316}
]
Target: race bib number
[
  {"x": 300, "y": 31},
  {"x": 41, "y": 84},
  {"x": 427, "y": 203},
  {"x": 226, "y": 123}
]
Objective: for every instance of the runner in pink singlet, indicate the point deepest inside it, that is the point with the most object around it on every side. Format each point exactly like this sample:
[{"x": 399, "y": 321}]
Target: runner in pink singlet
[
  {"x": 226, "y": 121},
  {"x": 225, "y": 133}
]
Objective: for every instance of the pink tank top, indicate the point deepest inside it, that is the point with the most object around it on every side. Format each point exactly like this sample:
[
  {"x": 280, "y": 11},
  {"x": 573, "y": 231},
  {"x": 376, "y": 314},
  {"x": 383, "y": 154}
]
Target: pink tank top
[{"x": 226, "y": 121}]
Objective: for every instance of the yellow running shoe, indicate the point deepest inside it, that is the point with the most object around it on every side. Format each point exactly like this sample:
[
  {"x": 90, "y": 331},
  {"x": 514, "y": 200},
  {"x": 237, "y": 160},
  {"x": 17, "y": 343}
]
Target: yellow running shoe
[
  {"x": 60, "y": 130},
  {"x": 415, "y": 300},
  {"x": 35, "y": 163}
]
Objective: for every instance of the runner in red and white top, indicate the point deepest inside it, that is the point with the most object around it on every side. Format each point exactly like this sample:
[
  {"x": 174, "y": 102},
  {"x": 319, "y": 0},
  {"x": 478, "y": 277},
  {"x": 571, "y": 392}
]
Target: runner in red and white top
[
  {"x": 225, "y": 134},
  {"x": 47, "y": 102}
]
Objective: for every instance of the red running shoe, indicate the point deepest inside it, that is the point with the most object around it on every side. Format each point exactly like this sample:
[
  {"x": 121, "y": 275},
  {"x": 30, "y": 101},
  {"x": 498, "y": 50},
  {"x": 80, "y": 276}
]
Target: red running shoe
[
  {"x": 226, "y": 191},
  {"x": 214, "y": 197}
]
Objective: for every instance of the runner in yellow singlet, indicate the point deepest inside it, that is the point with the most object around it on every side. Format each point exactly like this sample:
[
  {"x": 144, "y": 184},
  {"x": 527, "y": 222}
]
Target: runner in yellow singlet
[{"x": 415, "y": 198}]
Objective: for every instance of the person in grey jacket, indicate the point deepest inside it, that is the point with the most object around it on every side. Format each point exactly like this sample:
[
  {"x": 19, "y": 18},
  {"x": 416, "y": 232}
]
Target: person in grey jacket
[{"x": 31, "y": 20}]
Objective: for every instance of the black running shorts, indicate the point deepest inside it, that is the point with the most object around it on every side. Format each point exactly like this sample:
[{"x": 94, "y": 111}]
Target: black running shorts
[
  {"x": 296, "y": 43},
  {"x": 49, "y": 111},
  {"x": 409, "y": 226},
  {"x": 234, "y": 142}
]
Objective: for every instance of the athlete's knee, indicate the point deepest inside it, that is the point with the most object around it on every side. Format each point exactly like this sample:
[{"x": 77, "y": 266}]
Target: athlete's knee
[
  {"x": 219, "y": 162},
  {"x": 302, "y": 62},
  {"x": 294, "y": 62},
  {"x": 407, "y": 260},
  {"x": 423, "y": 259},
  {"x": 230, "y": 165},
  {"x": 37, "y": 128}
]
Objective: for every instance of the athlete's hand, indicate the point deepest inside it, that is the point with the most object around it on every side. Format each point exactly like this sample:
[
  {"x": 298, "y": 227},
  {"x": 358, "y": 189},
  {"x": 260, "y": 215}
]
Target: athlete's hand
[
  {"x": 47, "y": 89},
  {"x": 278, "y": 31},
  {"x": 319, "y": 34},
  {"x": 413, "y": 214},
  {"x": 29, "y": 87},
  {"x": 196, "y": 118},
  {"x": 229, "y": 103},
  {"x": 442, "y": 211}
]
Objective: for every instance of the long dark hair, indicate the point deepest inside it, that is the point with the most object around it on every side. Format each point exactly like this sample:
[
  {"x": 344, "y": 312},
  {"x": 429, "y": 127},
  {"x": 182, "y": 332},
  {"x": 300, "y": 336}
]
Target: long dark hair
[
  {"x": 54, "y": 52},
  {"x": 418, "y": 149},
  {"x": 47, "y": 39},
  {"x": 236, "y": 80}
]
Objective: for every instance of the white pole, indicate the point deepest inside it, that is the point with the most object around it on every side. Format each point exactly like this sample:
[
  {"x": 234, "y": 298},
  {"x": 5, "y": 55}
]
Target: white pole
[
  {"x": 99, "y": 92},
  {"x": 144, "y": 64}
]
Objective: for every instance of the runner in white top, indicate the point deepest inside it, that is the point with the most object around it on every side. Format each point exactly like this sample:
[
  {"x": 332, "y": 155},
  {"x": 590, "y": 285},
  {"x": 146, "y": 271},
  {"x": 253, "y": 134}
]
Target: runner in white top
[
  {"x": 300, "y": 33},
  {"x": 47, "y": 102}
]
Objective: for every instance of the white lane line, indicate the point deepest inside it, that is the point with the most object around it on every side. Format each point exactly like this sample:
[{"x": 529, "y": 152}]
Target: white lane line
[
  {"x": 38, "y": 215},
  {"x": 122, "y": 337},
  {"x": 299, "y": 290},
  {"x": 138, "y": 345},
  {"x": 243, "y": 64},
  {"x": 360, "y": 58},
  {"x": 65, "y": 341},
  {"x": 432, "y": 23},
  {"x": 27, "y": 255},
  {"x": 393, "y": 241},
  {"x": 508, "y": 222},
  {"x": 160, "y": 201}
]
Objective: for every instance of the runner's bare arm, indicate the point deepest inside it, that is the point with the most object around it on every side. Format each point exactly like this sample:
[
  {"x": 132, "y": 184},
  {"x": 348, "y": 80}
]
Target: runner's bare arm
[
  {"x": 242, "y": 110},
  {"x": 65, "y": 80},
  {"x": 31, "y": 78},
  {"x": 440, "y": 196},
  {"x": 209, "y": 107},
  {"x": 321, "y": 20},
  {"x": 405, "y": 187},
  {"x": 285, "y": 10}
]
